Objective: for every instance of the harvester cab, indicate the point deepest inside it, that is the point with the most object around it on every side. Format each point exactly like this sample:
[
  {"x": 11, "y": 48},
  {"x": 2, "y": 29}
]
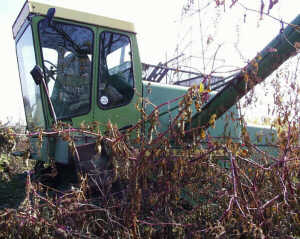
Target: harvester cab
[
  {"x": 88, "y": 62},
  {"x": 85, "y": 67},
  {"x": 78, "y": 67}
]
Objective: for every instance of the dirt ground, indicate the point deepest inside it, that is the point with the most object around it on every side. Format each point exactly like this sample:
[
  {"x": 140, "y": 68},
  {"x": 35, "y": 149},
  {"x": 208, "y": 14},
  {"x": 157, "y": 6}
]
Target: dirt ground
[
  {"x": 13, "y": 181},
  {"x": 12, "y": 191},
  {"x": 13, "y": 178}
]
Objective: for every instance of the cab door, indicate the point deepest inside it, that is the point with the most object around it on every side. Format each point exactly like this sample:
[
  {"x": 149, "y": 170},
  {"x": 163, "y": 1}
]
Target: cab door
[
  {"x": 67, "y": 57},
  {"x": 118, "y": 85}
]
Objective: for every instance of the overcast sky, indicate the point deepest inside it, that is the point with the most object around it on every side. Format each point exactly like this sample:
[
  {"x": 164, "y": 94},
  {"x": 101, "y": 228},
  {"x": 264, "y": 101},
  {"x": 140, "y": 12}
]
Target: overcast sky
[{"x": 157, "y": 23}]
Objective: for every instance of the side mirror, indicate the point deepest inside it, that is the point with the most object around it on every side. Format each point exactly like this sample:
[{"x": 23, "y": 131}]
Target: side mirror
[
  {"x": 37, "y": 74},
  {"x": 38, "y": 77},
  {"x": 49, "y": 16}
]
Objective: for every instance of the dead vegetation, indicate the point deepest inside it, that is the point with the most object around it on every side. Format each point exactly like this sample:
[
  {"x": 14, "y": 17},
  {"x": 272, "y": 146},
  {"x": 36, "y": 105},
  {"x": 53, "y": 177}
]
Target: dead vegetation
[{"x": 211, "y": 188}]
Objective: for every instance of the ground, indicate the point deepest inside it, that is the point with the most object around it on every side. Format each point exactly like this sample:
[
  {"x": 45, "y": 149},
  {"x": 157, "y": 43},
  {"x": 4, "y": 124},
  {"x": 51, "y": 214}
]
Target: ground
[
  {"x": 12, "y": 191},
  {"x": 12, "y": 181}
]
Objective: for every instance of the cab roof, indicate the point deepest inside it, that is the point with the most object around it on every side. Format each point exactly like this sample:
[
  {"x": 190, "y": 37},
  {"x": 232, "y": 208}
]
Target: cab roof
[{"x": 34, "y": 7}]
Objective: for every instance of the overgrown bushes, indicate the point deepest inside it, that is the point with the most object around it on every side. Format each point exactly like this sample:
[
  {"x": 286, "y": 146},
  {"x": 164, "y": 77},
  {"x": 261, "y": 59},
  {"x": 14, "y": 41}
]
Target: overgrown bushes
[{"x": 207, "y": 188}]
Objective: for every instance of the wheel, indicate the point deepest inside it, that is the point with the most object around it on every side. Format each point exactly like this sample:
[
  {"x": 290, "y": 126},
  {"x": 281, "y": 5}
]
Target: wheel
[{"x": 50, "y": 70}]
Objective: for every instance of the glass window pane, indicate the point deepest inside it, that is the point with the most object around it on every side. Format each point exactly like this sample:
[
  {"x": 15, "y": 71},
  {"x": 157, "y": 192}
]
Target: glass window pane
[
  {"x": 67, "y": 54},
  {"x": 116, "y": 74},
  {"x": 31, "y": 92}
]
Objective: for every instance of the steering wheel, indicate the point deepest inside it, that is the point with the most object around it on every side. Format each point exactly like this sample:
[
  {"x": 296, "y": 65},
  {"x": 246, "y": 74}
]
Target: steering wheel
[{"x": 51, "y": 70}]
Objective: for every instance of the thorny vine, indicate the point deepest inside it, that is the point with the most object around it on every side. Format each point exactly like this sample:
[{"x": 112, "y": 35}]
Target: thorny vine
[{"x": 208, "y": 186}]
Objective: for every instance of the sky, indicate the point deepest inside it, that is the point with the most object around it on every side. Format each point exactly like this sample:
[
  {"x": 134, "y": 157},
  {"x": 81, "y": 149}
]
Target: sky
[{"x": 159, "y": 25}]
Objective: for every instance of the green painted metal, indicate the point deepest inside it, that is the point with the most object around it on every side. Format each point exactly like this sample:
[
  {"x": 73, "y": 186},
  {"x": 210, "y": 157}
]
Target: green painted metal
[
  {"x": 121, "y": 116},
  {"x": 264, "y": 137},
  {"x": 76, "y": 121},
  {"x": 125, "y": 115},
  {"x": 226, "y": 127},
  {"x": 158, "y": 94},
  {"x": 39, "y": 151},
  {"x": 267, "y": 60}
]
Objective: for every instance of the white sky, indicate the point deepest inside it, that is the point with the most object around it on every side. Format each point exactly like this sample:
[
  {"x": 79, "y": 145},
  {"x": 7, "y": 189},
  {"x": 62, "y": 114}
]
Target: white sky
[{"x": 157, "y": 33}]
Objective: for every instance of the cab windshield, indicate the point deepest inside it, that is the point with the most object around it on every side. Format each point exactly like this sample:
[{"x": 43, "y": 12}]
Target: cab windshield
[{"x": 67, "y": 52}]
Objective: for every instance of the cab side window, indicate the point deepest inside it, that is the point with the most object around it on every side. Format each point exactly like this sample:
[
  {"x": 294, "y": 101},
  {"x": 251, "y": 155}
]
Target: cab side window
[{"x": 116, "y": 81}]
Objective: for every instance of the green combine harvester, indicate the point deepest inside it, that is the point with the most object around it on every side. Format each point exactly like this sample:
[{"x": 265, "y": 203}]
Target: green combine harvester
[{"x": 78, "y": 67}]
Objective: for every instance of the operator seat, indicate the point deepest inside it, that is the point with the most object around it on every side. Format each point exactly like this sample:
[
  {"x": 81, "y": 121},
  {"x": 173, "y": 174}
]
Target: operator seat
[{"x": 115, "y": 86}]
